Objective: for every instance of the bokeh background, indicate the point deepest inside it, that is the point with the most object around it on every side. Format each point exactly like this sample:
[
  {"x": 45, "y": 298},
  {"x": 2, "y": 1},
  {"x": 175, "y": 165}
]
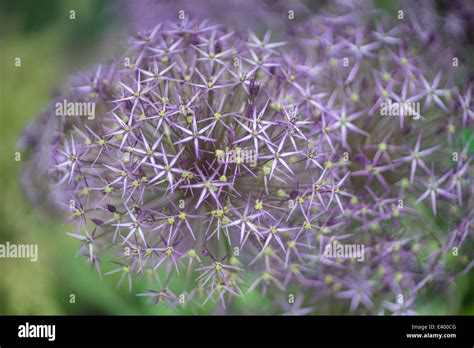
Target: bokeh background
[{"x": 52, "y": 47}]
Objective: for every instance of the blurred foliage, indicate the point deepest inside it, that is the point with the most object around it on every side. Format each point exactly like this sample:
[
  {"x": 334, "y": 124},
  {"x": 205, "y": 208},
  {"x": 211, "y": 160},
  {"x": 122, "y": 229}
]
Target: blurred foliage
[{"x": 51, "y": 47}]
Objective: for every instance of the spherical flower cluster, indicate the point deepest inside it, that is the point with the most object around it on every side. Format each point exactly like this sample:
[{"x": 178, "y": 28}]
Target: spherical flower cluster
[{"x": 335, "y": 169}]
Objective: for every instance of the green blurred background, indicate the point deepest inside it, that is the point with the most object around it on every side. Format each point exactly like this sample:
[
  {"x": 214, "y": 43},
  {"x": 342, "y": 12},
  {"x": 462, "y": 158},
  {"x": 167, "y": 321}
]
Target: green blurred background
[{"x": 51, "y": 47}]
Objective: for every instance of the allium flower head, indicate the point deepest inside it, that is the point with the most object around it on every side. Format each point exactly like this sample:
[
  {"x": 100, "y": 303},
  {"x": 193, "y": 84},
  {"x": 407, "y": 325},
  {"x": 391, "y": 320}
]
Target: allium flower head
[{"x": 232, "y": 160}]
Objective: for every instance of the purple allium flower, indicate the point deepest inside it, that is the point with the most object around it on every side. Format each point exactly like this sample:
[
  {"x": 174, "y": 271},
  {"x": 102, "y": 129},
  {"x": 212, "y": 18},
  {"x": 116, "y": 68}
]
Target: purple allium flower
[{"x": 241, "y": 164}]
